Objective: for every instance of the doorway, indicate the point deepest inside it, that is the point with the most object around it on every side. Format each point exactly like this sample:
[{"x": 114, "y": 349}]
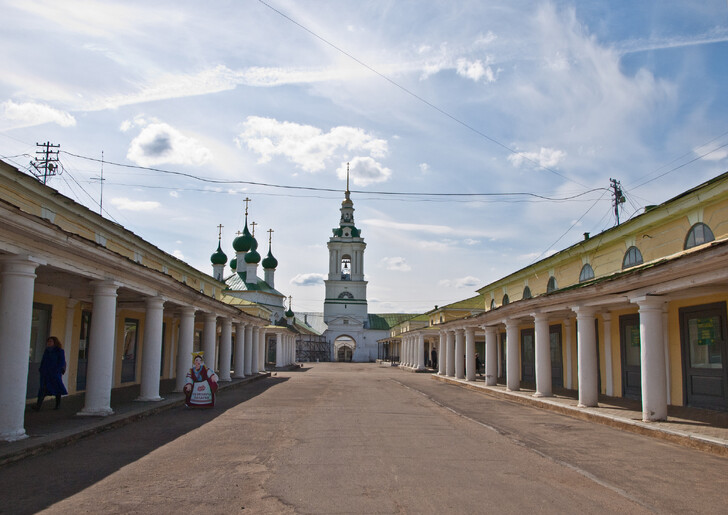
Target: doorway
[
  {"x": 703, "y": 342},
  {"x": 557, "y": 364},
  {"x": 39, "y": 332},
  {"x": 344, "y": 354},
  {"x": 629, "y": 338},
  {"x": 528, "y": 356}
]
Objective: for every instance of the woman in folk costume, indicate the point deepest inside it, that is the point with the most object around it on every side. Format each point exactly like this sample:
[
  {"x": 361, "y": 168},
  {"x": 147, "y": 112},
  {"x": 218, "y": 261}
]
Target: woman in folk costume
[{"x": 201, "y": 384}]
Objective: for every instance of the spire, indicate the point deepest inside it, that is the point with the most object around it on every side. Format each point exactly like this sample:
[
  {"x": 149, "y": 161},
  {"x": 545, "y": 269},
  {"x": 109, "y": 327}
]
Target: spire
[
  {"x": 244, "y": 241},
  {"x": 270, "y": 262},
  {"x": 289, "y": 313},
  {"x": 347, "y": 193}
]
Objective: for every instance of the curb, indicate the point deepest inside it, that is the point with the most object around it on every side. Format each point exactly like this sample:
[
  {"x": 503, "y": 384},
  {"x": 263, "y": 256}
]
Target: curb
[
  {"x": 703, "y": 443},
  {"x": 106, "y": 424}
]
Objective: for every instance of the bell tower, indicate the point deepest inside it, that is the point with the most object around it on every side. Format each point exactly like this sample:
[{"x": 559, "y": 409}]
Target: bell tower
[{"x": 345, "y": 307}]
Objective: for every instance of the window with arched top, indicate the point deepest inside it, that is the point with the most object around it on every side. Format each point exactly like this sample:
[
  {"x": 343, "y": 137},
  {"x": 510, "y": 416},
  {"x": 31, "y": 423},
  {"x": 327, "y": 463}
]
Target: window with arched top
[
  {"x": 632, "y": 257},
  {"x": 506, "y": 300},
  {"x": 346, "y": 268},
  {"x": 697, "y": 235},
  {"x": 551, "y": 285},
  {"x": 492, "y": 304},
  {"x": 527, "y": 293},
  {"x": 346, "y": 295},
  {"x": 586, "y": 274}
]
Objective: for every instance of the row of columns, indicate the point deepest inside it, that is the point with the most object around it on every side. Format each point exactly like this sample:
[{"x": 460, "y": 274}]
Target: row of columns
[
  {"x": 16, "y": 308},
  {"x": 457, "y": 355},
  {"x": 285, "y": 349}
]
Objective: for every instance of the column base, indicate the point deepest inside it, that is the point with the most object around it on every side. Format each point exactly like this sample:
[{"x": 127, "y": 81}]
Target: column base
[
  {"x": 95, "y": 412},
  {"x": 149, "y": 399},
  {"x": 224, "y": 380},
  {"x": 583, "y": 405},
  {"x": 14, "y": 436},
  {"x": 508, "y": 389},
  {"x": 539, "y": 394}
]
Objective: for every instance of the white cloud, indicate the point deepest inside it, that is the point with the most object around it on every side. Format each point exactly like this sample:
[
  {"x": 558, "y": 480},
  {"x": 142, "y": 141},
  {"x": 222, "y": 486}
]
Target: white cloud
[
  {"x": 424, "y": 167},
  {"x": 127, "y": 204},
  {"x": 31, "y": 113},
  {"x": 398, "y": 264},
  {"x": 174, "y": 194},
  {"x": 161, "y": 143},
  {"x": 474, "y": 70},
  {"x": 178, "y": 254},
  {"x": 425, "y": 228},
  {"x": 305, "y": 145},
  {"x": 364, "y": 171},
  {"x": 308, "y": 279},
  {"x": 715, "y": 155},
  {"x": 463, "y": 282},
  {"x": 546, "y": 157}
]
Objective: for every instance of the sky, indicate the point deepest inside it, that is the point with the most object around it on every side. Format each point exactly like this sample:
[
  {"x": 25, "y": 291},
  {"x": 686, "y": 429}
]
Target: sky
[{"x": 481, "y": 136}]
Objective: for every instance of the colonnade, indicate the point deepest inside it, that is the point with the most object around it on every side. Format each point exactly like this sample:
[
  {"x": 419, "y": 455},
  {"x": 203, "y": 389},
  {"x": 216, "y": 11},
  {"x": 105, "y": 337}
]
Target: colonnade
[
  {"x": 18, "y": 276},
  {"x": 457, "y": 352},
  {"x": 285, "y": 349}
]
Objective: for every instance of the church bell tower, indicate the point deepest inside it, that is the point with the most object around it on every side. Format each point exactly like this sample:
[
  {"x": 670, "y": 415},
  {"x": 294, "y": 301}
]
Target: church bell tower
[{"x": 345, "y": 307}]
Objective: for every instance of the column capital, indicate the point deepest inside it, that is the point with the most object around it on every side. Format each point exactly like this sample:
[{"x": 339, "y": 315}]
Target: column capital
[
  {"x": 649, "y": 301},
  {"x": 584, "y": 311},
  {"x": 539, "y": 317},
  {"x": 105, "y": 287},
  {"x": 156, "y": 301}
]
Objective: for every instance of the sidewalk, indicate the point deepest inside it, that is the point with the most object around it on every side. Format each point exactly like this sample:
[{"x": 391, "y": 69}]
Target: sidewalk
[
  {"x": 702, "y": 429},
  {"x": 49, "y": 429}
]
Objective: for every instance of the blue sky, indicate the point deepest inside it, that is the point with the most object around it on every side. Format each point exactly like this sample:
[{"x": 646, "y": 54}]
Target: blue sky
[{"x": 548, "y": 98}]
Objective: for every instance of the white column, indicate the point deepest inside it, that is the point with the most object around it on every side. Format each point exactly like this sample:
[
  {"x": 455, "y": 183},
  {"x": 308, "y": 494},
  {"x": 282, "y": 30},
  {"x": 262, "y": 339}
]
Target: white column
[
  {"x": 420, "y": 351},
  {"x": 470, "y": 354},
  {"x": 441, "y": 355},
  {"x": 254, "y": 358},
  {"x": 501, "y": 372},
  {"x": 185, "y": 345},
  {"x": 293, "y": 348},
  {"x": 279, "y": 350},
  {"x": 542, "y": 346},
  {"x": 100, "y": 372},
  {"x": 152, "y": 350},
  {"x": 405, "y": 351},
  {"x": 451, "y": 353},
  {"x": 68, "y": 335},
  {"x": 239, "y": 350},
  {"x": 586, "y": 350},
  {"x": 652, "y": 359},
  {"x": 248, "y": 365},
  {"x": 209, "y": 335},
  {"x": 568, "y": 345},
  {"x": 16, "y": 316},
  {"x": 460, "y": 354},
  {"x": 261, "y": 349},
  {"x": 226, "y": 342},
  {"x": 666, "y": 336},
  {"x": 607, "y": 318},
  {"x": 513, "y": 365},
  {"x": 491, "y": 356}
]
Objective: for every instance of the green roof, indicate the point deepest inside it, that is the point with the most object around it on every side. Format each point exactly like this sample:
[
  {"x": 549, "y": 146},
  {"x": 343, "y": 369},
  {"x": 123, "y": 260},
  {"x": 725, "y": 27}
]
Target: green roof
[
  {"x": 386, "y": 321},
  {"x": 237, "y": 282}
]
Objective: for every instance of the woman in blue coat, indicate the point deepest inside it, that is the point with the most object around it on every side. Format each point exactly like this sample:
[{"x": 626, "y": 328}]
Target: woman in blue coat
[{"x": 52, "y": 368}]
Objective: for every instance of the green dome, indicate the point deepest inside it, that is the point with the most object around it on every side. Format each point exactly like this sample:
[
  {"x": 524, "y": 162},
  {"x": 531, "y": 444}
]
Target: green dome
[
  {"x": 244, "y": 242},
  {"x": 269, "y": 261},
  {"x": 289, "y": 313},
  {"x": 219, "y": 257},
  {"x": 252, "y": 257},
  {"x": 234, "y": 264},
  {"x": 254, "y": 243}
]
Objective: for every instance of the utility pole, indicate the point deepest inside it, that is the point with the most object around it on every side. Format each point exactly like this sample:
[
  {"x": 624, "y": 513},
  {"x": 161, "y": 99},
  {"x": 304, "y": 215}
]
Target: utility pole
[
  {"x": 617, "y": 197},
  {"x": 46, "y": 166},
  {"x": 101, "y": 184}
]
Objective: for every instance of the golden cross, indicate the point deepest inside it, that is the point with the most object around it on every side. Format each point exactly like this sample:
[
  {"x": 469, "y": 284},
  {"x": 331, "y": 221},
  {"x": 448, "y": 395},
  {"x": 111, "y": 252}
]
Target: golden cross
[
  {"x": 246, "y": 205},
  {"x": 347, "y": 176},
  {"x": 290, "y": 301},
  {"x": 270, "y": 236},
  {"x": 219, "y": 232},
  {"x": 253, "y": 224}
]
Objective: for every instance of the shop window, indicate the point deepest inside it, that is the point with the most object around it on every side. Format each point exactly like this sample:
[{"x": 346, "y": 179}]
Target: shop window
[
  {"x": 551, "y": 285},
  {"x": 697, "y": 235},
  {"x": 632, "y": 257},
  {"x": 587, "y": 273}
]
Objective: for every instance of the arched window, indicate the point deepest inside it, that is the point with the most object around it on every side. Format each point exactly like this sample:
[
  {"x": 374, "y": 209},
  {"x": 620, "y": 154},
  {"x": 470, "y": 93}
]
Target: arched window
[
  {"x": 587, "y": 273},
  {"x": 492, "y": 304},
  {"x": 506, "y": 300},
  {"x": 527, "y": 293},
  {"x": 632, "y": 257},
  {"x": 346, "y": 268},
  {"x": 697, "y": 235},
  {"x": 551, "y": 286}
]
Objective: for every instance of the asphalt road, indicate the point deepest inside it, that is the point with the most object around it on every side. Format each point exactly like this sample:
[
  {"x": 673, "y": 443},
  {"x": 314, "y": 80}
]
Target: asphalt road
[{"x": 358, "y": 438}]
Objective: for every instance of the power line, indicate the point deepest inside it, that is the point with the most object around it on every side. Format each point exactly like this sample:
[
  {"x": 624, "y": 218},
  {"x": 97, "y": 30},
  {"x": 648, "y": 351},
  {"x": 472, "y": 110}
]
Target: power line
[
  {"x": 330, "y": 190},
  {"x": 417, "y": 97}
]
